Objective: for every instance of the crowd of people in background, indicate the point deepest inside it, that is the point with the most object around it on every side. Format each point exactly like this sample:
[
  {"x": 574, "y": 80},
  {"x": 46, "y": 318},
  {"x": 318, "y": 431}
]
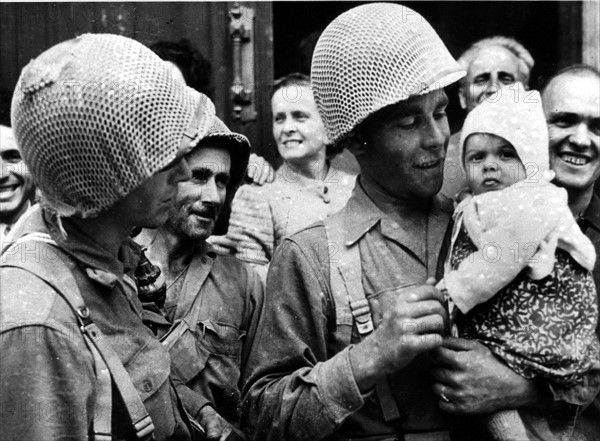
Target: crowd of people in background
[{"x": 440, "y": 287}]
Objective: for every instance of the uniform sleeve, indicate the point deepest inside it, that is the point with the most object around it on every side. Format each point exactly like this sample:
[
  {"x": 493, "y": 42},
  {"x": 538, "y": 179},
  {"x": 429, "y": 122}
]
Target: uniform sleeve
[
  {"x": 46, "y": 381},
  {"x": 192, "y": 401},
  {"x": 255, "y": 293},
  {"x": 250, "y": 236},
  {"x": 294, "y": 391}
]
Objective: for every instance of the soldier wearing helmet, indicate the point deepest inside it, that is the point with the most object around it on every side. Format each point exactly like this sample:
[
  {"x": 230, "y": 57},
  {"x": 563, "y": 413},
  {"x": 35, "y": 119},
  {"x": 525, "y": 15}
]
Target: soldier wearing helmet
[
  {"x": 216, "y": 299},
  {"x": 351, "y": 313},
  {"x": 103, "y": 128}
]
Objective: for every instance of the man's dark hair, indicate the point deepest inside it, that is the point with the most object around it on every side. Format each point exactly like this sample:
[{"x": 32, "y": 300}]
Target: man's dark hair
[
  {"x": 194, "y": 67},
  {"x": 574, "y": 69}
]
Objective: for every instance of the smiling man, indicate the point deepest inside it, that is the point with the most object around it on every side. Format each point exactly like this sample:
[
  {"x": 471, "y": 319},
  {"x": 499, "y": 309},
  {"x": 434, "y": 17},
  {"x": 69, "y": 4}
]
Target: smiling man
[
  {"x": 572, "y": 107},
  {"x": 218, "y": 296},
  {"x": 16, "y": 185},
  {"x": 341, "y": 349},
  {"x": 571, "y": 100}
]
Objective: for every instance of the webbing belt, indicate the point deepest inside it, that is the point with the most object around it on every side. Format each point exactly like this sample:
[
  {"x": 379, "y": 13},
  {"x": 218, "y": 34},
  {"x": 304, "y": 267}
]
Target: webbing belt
[
  {"x": 106, "y": 362},
  {"x": 346, "y": 275}
]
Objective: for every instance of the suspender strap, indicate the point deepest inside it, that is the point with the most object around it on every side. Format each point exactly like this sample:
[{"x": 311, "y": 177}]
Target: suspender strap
[
  {"x": 191, "y": 289},
  {"x": 348, "y": 275},
  {"x": 194, "y": 279},
  {"x": 188, "y": 309},
  {"x": 345, "y": 271},
  {"x": 103, "y": 408},
  {"x": 107, "y": 363},
  {"x": 142, "y": 423}
]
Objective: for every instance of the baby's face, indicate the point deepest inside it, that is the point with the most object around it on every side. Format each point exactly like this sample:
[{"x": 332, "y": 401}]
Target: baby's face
[{"x": 491, "y": 163}]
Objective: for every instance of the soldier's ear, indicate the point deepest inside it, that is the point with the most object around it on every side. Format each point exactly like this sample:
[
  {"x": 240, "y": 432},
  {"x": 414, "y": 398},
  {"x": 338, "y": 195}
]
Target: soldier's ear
[{"x": 357, "y": 145}]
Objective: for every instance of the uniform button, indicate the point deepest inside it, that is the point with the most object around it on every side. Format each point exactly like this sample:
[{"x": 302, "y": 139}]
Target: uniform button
[{"x": 147, "y": 385}]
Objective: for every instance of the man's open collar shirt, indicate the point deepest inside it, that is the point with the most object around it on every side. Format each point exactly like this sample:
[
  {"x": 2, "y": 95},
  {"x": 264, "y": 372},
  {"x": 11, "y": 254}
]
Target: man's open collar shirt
[{"x": 301, "y": 385}]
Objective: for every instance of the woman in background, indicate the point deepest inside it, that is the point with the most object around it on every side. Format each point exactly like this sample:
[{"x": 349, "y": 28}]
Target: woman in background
[{"x": 307, "y": 188}]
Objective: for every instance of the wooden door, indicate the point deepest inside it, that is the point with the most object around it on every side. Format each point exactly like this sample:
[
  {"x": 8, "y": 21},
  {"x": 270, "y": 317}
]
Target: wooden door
[{"x": 27, "y": 29}]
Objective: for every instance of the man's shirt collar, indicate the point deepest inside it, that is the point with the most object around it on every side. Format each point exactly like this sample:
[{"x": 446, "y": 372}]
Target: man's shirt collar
[
  {"x": 361, "y": 215},
  {"x": 99, "y": 264}
]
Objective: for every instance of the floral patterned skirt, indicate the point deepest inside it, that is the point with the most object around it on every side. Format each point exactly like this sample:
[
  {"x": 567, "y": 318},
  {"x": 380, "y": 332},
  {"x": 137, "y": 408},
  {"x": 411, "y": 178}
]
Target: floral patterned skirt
[{"x": 541, "y": 327}]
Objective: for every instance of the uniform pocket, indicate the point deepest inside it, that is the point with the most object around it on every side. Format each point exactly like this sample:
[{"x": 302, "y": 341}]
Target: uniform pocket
[
  {"x": 188, "y": 358},
  {"x": 221, "y": 339}
]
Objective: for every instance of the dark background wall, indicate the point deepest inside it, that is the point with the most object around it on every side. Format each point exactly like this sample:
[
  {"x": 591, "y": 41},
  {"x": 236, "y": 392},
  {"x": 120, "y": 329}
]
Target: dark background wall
[
  {"x": 285, "y": 31},
  {"x": 550, "y": 30}
]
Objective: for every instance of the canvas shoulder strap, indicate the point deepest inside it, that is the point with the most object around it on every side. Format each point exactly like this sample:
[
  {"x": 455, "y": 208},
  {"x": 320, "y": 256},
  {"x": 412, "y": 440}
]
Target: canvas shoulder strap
[
  {"x": 60, "y": 278},
  {"x": 345, "y": 271},
  {"x": 189, "y": 303}
]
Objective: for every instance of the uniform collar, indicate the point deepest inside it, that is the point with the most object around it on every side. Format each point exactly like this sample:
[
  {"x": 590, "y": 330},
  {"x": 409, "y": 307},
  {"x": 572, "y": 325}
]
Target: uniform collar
[
  {"x": 361, "y": 215},
  {"x": 99, "y": 264}
]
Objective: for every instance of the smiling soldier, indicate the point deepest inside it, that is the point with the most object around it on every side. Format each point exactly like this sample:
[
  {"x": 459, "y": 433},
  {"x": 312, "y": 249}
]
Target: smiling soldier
[
  {"x": 16, "y": 185},
  {"x": 217, "y": 298}
]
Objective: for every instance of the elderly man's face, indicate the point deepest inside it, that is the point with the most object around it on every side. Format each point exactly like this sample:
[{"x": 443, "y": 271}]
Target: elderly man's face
[
  {"x": 491, "y": 69},
  {"x": 405, "y": 146},
  {"x": 572, "y": 110},
  {"x": 200, "y": 200},
  {"x": 16, "y": 185}
]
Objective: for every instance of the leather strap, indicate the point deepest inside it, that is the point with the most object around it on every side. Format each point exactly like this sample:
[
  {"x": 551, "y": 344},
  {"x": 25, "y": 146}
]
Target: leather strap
[
  {"x": 107, "y": 363},
  {"x": 345, "y": 271},
  {"x": 191, "y": 290},
  {"x": 196, "y": 275}
]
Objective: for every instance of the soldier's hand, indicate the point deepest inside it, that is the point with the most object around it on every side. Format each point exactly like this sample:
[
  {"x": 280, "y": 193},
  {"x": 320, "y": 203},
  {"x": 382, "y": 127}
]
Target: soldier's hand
[
  {"x": 470, "y": 379},
  {"x": 214, "y": 425},
  {"x": 413, "y": 326},
  {"x": 259, "y": 170}
]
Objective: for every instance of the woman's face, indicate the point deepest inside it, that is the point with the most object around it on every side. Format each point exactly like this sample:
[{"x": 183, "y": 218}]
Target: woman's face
[{"x": 297, "y": 127}]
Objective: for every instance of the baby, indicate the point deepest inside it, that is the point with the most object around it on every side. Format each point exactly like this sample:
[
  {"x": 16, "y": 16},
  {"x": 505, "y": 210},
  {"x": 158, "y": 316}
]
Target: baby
[{"x": 519, "y": 266}]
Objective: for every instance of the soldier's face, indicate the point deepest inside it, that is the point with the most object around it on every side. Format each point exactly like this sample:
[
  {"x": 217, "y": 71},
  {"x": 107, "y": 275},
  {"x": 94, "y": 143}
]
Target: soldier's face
[
  {"x": 199, "y": 201},
  {"x": 406, "y": 146}
]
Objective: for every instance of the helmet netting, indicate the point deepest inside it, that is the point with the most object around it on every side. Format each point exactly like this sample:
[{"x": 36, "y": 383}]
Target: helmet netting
[
  {"x": 373, "y": 56},
  {"x": 95, "y": 117}
]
